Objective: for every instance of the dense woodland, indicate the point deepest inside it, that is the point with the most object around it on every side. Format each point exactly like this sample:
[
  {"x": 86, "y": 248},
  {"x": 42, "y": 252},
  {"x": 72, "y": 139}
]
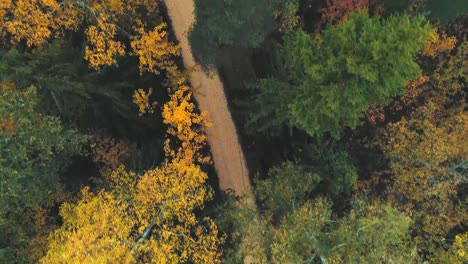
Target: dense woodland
[{"x": 352, "y": 116}]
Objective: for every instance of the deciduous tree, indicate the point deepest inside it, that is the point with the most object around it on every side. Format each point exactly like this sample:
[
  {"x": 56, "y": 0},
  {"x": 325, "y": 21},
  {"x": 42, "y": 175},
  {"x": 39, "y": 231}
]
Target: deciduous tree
[
  {"x": 309, "y": 233},
  {"x": 109, "y": 26},
  {"x": 142, "y": 218},
  {"x": 149, "y": 217},
  {"x": 422, "y": 151},
  {"x": 338, "y": 11},
  {"x": 34, "y": 150}
]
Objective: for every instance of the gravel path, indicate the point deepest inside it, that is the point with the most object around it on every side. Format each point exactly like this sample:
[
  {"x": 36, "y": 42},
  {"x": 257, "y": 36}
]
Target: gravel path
[{"x": 209, "y": 92}]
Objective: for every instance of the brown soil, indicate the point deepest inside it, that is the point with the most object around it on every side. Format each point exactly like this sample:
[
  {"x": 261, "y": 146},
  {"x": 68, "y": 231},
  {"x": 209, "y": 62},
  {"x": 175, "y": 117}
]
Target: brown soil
[{"x": 209, "y": 92}]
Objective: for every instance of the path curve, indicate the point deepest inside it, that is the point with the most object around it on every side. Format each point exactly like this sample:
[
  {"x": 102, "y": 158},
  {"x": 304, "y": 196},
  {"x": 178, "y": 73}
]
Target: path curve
[{"x": 227, "y": 154}]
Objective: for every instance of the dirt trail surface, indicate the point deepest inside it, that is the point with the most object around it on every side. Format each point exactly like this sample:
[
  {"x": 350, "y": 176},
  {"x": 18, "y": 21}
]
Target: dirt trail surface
[{"x": 209, "y": 92}]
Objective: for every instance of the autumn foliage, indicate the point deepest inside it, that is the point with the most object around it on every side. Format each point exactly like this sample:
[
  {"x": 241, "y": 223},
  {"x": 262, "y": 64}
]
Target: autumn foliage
[
  {"x": 313, "y": 72},
  {"x": 148, "y": 217},
  {"x": 337, "y": 11},
  {"x": 438, "y": 44},
  {"x": 154, "y": 50},
  {"x": 186, "y": 126},
  {"x": 107, "y": 27},
  {"x": 108, "y": 152},
  {"x": 376, "y": 114},
  {"x": 142, "y": 99},
  {"x": 7, "y": 125},
  {"x": 422, "y": 151},
  {"x": 143, "y": 218}
]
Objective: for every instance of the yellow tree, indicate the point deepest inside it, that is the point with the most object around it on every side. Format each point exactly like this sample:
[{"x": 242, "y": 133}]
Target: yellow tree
[
  {"x": 147, "y": 218},
  {"x": 110, "y": 25},
  {"x": 186, "y": 127},
  {"x": 422, "y": 152}
]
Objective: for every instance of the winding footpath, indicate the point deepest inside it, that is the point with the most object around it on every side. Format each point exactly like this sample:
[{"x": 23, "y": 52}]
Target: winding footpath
[{"x": 227, "y": 154}]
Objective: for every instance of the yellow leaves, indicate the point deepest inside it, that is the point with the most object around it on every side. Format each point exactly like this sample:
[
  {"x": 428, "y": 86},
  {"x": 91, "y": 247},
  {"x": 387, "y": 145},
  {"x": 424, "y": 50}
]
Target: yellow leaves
[
  {"x": 5, "y": 5},
  {"x": 439, "y": 43},
  {"x": 35, "y": 21},
  {"x": 6, "y": 88},
  {"x": 450, "y": 74},
  {"x": 27, "y": 20},
  {"x": 99, "y": 228},
  {"x": 95, "y": 230},
  {"x": 146, "y": 218},
  {"x": 421, "y": 151},
  {"x": 115, "y": 6},
  {"x": 103, "y": 48},
  {"x": 184, "y": 122},
  {"x": 153, "y": 49},
  {"x": 461, "y": 247},
  {"x": 187, "y": 126},
  {"x": 67, "y": 16},
  {"x": 141, "y": 99},
  {"x": 171, "y": 192},
  {"x": 135, "y": 218}
]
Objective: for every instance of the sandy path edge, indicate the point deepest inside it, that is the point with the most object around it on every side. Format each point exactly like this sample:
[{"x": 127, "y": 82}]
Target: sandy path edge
[{"x": 227, "y": 154}]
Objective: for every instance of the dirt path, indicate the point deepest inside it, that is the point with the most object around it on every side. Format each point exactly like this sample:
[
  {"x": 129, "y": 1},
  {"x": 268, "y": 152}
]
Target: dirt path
[{"x": 222, "y": 136}]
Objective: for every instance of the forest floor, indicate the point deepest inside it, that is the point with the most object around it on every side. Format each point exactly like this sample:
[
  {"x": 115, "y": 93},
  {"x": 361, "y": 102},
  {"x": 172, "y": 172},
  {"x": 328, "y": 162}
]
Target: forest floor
[{"x": 208, "y": 89}]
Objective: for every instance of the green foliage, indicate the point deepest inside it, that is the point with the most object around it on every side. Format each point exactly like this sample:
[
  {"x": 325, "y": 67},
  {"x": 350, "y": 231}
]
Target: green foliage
[
  {"x": 373, "y": 233},
  {"x": 294, "y": 228},
  {"x": 55, "y": 68},
  {"x": 89, "y": 100},
  {"x": 437, "y": 10},
  {"x": 34, "y": 151},
  {"x": 286, "y": 14},
  {"x": 271, "y": 107},
  {"x": 228, "y": 23},
  {"x": 286, "y": 188},
  {"x": 333, "y": 78},
  {"x": 249, "y": 234},
  {"x": 339, "y": 172},
  {"x": 396, "y": 4},
  {"x": 334, "y": 165},
  {"x": 70, "y": 88},
  {"x": 301, "y": 236},
  {"x": 370, "y": 233}
]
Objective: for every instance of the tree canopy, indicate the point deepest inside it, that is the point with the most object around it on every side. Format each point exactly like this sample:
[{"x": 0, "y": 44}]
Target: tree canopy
[
  {"x": 326, "y": 83},
  {"x": 107, "y": 28}
]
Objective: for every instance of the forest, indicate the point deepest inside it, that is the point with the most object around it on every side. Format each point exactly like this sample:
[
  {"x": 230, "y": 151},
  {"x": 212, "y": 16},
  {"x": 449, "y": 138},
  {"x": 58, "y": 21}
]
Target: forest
[{"x": 221, "y": 131}]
